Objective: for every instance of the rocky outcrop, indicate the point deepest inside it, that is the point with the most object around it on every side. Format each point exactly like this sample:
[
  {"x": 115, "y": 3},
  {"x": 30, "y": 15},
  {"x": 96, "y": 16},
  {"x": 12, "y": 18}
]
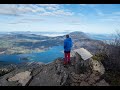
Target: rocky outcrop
[
  {"x": 52, "y": 74},
  {"x": 98, "y": 66},
  {"x": 57, "y": 74},
  {"x": 84, "y": 62},
  {"x": 4, "y": 69},
  {"x": 22, "y": 77}
]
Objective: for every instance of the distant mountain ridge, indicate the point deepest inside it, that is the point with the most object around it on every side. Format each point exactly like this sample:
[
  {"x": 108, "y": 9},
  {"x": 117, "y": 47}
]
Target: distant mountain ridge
[
  {"x": 79, "y": 35},
  {"x": 55, "y": 34},
  {"x": 32, "y": 41},
  {"x": 101, "y": 36}
]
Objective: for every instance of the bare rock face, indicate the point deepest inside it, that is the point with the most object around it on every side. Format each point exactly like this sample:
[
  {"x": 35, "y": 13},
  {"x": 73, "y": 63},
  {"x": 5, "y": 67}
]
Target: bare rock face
[
  {"x": 85, "y": 54},
  {"x": 53, "y": 74},
  {"x": 102, "y": 83},
  {"x": 22, "y": 77},
  {"x": 84, "y": 62},
  {"x": 98, "y": 66},
  {"x": 6, "y": 69},
  {"x": 83, "y": 83},
  {"x": 87, "y": 79},
  {"x": 82, "y": 58}
]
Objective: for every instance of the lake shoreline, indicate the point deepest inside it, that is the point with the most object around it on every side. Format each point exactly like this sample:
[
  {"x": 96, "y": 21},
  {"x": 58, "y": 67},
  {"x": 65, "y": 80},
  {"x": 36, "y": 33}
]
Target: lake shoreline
[{"x": 52, "y": 53}]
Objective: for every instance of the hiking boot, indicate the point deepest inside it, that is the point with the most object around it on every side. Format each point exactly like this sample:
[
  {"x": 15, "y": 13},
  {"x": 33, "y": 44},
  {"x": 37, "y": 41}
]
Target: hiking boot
[
  {"x": 65, "y": 63},
  {"x": 69, "y": 62}
]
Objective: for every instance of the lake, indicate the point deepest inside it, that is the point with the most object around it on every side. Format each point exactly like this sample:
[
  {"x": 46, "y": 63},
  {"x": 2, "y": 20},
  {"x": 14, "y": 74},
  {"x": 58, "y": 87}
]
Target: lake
[{"x": 44, "y": 57}]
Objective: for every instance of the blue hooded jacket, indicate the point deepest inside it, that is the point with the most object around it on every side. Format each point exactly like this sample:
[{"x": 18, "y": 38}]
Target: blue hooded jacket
[{"x": 67, "y": 44}]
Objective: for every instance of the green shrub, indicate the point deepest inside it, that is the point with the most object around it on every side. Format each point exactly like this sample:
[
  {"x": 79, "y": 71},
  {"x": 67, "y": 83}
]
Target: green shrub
[{"x": 99, "y": 56}]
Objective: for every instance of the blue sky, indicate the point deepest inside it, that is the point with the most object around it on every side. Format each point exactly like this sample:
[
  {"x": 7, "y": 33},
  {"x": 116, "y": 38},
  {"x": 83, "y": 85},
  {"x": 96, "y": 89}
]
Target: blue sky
[{"x": 90, "y": 18}]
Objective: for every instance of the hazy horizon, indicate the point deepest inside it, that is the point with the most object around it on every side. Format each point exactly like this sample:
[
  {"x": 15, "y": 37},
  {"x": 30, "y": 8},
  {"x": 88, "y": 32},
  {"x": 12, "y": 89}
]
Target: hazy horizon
[
  {"x": 88, "y": 18},
  {"x": 53, "y": 32}
]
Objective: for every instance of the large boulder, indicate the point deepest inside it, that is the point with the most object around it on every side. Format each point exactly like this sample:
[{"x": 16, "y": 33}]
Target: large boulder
[
  {"x": 84, "y": 62},
  {"x": 85, "y": 54},
  {"x": 97, "y": 66},
  {"x": 22, "y": 77}
]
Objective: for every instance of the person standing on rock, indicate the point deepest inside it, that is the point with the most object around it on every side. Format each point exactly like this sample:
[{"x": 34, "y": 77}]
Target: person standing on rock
[{"x": 67, "y": 49}]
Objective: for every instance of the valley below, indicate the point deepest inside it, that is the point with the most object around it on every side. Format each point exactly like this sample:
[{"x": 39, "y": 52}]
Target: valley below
[
  {"x": 40, "y": 58},
  {"x": 17, "y": 47},
  {"x": 31, "y": 43}
]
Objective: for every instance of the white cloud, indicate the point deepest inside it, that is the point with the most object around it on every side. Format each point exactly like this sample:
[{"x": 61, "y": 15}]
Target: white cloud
[
  {"x": 31, "y": 20},
  {"x": 83, "y": 4},
  {"x": 93, "y": 5},
  {"x": 48, "y": 5},
  {"x": 25, "y": 9},
  {"x": 62, "y": 12},
  {"x": 89, "y": 5},
  {"x": 47, "y": 14},
  {"x": 50, "y": 8},
  {"x": 30, "y": 8},
  {"x": 42, "y": 9},
  {"x": 57, "y": 13},
  {"x": 8, "y": 9}
]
